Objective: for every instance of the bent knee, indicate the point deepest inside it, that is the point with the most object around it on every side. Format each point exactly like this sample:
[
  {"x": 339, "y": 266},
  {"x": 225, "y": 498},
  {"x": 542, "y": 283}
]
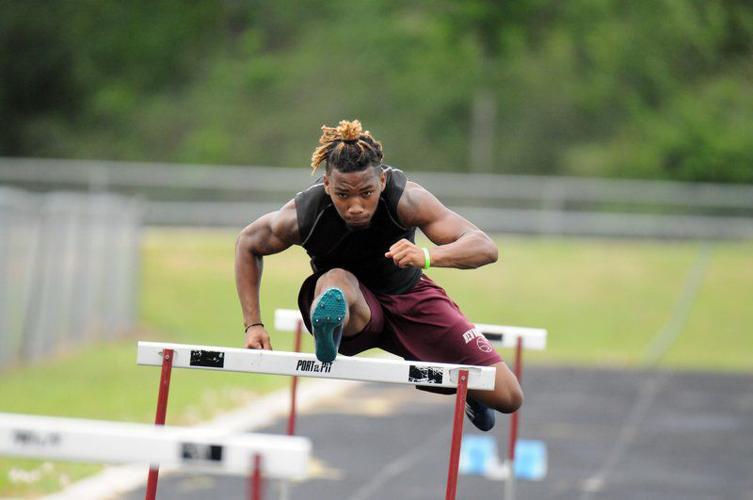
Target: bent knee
[
  {"x": 514, "y": 400},
  {"x": 510, "y": 399},
  {"x": 336, "y": 277},
  {"x": 337, "y": 274}
]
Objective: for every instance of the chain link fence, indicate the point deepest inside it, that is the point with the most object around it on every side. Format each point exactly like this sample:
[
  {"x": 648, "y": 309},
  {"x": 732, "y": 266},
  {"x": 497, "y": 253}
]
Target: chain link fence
[{"x": 68, "y": 270}]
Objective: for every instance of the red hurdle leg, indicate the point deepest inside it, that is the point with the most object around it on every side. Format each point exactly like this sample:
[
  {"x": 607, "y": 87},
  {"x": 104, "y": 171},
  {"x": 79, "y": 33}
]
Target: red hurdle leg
[
  {"x": 159, "y": 419},
  {"x": 513, "y": 439},
  {"x": 256, "y": 486},
  {"x": 518, "y": 370},
  {"x": 294, "y": 383},
  {"x": 457, "y": 435}
]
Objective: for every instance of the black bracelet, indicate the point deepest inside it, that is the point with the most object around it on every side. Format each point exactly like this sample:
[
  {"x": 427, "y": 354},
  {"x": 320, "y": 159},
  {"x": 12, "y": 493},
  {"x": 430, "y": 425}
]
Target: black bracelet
[{"x": 252, "y": 324}]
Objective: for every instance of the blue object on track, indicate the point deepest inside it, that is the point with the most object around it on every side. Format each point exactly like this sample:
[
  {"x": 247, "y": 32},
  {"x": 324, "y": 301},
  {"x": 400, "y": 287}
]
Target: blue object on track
[
  {"x": 327, "y": 324},
  {"x": 478, "y": 454},
  {"x": 530, "y": 460}
]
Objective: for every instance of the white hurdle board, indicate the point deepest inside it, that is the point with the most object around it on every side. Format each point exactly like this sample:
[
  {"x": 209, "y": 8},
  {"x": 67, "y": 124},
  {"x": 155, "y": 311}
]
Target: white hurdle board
[
  {"x": 534, "y": 339},
  {"x": 503, "y": 336},
  {"x": 282, "y": 457},
  {"x": 306, "y": 365}
]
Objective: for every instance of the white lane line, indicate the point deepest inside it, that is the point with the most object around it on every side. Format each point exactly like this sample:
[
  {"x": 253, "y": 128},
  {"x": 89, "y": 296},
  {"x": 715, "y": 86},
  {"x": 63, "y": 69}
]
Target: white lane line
[
  {"x": 667, "y": 336},
  {"x": 399, "y": 466},
  {"x": 627, "y": 435},
  {"x": 658, "y": 347}
]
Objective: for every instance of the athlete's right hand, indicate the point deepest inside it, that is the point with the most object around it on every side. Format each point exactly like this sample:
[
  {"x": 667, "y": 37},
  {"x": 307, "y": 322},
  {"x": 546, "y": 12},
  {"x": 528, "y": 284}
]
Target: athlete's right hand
[{"x": 258, "y": 338}]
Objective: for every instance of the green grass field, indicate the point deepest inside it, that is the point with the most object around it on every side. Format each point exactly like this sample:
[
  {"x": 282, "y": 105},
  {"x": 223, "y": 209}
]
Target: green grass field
[{"x": 603, "y": 301}]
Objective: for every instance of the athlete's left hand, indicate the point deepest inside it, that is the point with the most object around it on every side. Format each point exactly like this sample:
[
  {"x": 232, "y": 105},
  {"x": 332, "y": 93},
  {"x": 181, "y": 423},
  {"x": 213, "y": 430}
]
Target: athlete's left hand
[{"x": 406, "y": 254}]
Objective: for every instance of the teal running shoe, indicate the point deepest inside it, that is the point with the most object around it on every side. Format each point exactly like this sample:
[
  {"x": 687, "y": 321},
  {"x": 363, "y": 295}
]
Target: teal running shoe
[{"x": 327, "y": 323}]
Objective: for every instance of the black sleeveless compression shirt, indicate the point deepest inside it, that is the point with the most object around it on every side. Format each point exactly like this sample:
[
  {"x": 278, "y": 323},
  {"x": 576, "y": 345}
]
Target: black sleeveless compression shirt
[{"x": 331, "y": 244}]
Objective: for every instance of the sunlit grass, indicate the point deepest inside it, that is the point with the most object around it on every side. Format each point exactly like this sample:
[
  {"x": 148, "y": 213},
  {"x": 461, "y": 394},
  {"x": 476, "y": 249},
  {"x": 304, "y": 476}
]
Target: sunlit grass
[{"x": 601, "y": 300}]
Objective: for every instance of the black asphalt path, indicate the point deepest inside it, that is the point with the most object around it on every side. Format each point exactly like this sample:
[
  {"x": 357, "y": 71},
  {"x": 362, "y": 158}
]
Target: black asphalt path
[{"x": 611, "y": 434}]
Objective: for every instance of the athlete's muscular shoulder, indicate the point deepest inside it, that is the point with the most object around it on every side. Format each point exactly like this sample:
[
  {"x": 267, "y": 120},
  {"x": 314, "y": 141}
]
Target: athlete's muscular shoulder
[
  {"x": 271, "y": 233},
  {"x": 417, "y": 206},
  {"x": 284, "y": 224}
]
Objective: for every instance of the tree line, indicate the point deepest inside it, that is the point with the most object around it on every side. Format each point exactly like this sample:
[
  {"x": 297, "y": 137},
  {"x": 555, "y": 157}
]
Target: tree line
[{"x": 646, "y": 88}]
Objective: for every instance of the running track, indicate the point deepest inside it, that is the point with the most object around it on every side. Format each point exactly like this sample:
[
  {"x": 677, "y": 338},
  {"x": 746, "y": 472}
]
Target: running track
[{"x": 611, "y": 434}]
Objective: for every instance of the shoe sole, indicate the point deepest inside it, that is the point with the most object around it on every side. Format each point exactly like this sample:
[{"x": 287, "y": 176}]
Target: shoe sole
[{"x": 326, "y": 319}]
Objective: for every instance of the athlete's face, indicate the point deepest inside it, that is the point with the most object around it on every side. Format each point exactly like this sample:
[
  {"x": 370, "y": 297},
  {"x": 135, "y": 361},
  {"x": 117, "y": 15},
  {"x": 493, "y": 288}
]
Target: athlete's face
[{"x": 355, "y": 194}]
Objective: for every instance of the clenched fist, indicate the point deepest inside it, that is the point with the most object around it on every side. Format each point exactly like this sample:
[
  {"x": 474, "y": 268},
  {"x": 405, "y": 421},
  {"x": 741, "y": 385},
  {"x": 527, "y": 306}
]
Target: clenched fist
[{"x": 406, "y": 254}]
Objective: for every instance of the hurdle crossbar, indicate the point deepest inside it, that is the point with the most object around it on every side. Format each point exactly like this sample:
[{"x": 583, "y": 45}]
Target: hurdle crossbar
[
  {"x": 462, "y": 377},
  {"x": 305, "y": 364},
  {"x": 504, "y": 336},
  {"x": 30, "y": 436}
]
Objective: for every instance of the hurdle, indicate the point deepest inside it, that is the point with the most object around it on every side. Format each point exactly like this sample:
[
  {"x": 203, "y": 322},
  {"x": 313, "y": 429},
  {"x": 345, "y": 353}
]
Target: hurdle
[
  {"x": 501, "y": 336},
  {"x": 460, "y": 377},
  {"x": 517, "y": 338},
  {"x": 256, "y": 455}
]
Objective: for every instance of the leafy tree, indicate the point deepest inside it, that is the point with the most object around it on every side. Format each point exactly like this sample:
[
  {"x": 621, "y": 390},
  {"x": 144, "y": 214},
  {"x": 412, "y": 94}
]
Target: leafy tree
[{"x": 647, "y": 88}]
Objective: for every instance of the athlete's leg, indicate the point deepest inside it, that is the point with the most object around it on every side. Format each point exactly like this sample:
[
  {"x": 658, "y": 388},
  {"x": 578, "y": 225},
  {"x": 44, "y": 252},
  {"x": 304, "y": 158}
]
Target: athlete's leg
[
  {"x": 357, "y": 312},
  {"x": 338, "y": 309},
  {"x": 507, "y": 395}
]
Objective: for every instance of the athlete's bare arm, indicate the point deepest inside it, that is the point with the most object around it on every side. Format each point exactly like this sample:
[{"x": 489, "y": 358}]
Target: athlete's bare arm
[
  {"x": 267, "y": 235},
  {"x": 460, "y": 244}
]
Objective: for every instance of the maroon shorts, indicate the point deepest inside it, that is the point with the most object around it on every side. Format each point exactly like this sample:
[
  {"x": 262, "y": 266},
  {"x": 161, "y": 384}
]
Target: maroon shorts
[{"x": 423, "y": 324}]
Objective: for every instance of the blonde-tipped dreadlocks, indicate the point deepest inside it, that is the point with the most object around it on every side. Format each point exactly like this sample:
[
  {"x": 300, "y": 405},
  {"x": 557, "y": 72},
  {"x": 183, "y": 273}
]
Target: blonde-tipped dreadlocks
[{"x": 347, "y": 147}]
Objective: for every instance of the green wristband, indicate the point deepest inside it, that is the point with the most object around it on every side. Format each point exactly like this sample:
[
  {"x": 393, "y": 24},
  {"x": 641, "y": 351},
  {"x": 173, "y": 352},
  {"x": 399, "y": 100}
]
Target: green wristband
[{"x": 427, "y": 259}]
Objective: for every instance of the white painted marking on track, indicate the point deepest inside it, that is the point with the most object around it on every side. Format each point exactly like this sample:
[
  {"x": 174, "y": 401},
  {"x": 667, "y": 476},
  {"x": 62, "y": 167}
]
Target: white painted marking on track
[
  {"x": 319, "y": 469},
  {"x": 667, "y": 336},
  {"x": 399, "y": 466},
  {"x": 658, "y": 347},
  {"x": 627, "y": 435}
]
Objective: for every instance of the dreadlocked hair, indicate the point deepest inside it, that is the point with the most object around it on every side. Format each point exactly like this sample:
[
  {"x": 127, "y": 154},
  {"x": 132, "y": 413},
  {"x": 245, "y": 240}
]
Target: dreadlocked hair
[{"x": 347, "y": 147}]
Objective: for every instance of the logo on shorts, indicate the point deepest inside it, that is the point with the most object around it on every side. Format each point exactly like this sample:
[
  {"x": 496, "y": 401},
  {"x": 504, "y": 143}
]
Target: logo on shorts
[
  {"x": 484, "y": 344},
  {"x": 308, "y": 365},
  {"x": 471, "y": 334}
]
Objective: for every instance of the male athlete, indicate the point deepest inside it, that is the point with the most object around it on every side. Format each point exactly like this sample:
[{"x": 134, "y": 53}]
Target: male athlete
[{"x": 368, "y": 289}]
